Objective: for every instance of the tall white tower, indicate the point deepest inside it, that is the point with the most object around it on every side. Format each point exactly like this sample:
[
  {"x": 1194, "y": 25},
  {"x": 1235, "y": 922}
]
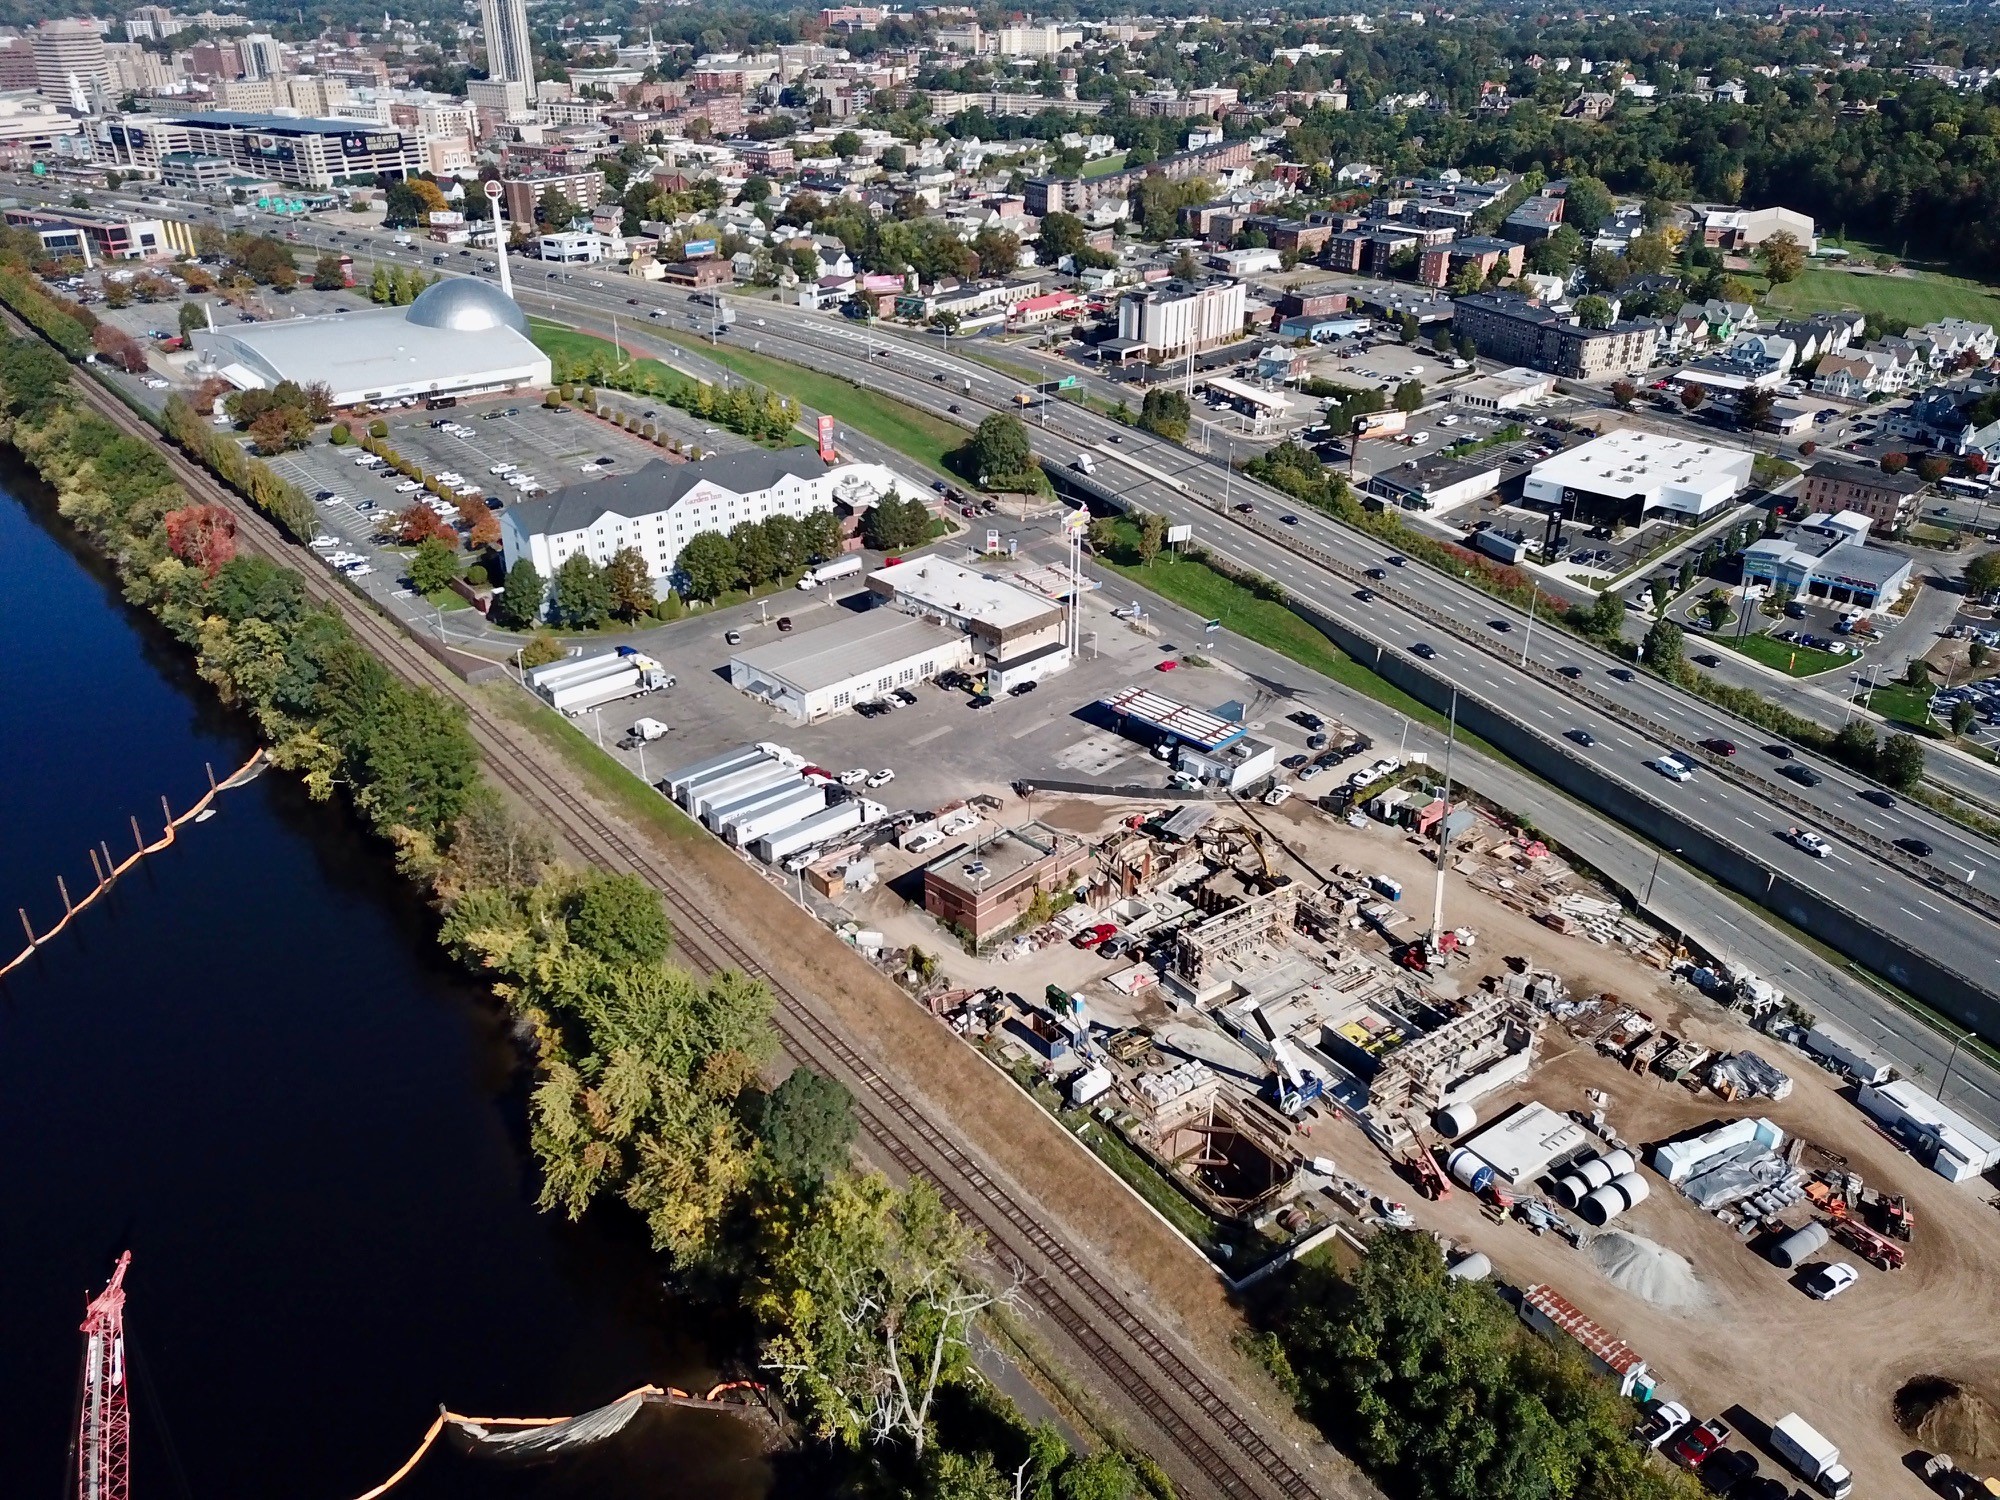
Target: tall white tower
[
  {"x": 494, "y": 192},
  {"x": 509, "y": 55}
]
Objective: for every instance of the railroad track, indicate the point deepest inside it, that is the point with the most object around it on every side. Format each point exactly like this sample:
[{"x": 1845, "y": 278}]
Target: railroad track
[{"x": 1218, "y": 1446}]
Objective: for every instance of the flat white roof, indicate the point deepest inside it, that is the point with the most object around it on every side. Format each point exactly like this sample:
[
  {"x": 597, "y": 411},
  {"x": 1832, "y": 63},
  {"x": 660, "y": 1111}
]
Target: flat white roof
[
  {"x": 1268, "y": 400},
  {"x": 962, "y": 593},
  {"x": 1927, "y": 1111},
  {"x": 1628, "y": 462},
  {"x": 370, "y": 350},
  {"x": 1521, "y": 1145},
  {"x": 859, "y": 646}
]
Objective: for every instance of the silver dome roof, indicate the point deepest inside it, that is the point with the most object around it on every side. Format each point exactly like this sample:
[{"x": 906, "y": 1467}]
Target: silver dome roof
[{"x": 467, "y": 306}]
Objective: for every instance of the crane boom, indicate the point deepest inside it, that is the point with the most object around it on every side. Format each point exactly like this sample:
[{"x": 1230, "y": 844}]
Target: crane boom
[{"x": 104, "y": 1426}]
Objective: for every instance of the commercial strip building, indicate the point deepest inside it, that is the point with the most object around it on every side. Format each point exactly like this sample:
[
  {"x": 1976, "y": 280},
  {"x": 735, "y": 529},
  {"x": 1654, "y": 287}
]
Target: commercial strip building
[
  {"x": 98, "y": 236},
  {"x": 1828, "y": 557},
  {"x": 1889, "y": 501},
  {"x": 812, "y": 673},
  {"x": 1627, "y": 475},
  {"x": 1510, "y": 390},
  {"x": 460, "y": 337},
  {"x": 1507, "y": 326},
  {"x": 291, "y": 149},
  {"x": 659, "y": 509},
  {"x": 986, "y": 888},
  {"x": 1015, "y": 636}
]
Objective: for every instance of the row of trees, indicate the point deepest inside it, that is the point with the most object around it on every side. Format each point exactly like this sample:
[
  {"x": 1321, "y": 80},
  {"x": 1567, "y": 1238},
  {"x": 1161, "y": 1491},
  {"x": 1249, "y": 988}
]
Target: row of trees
[
  {"x": 283, "y": 417},
  {"x": 396, "y": 286},
  {"x": 649, "y": 1085},
  {"x": 748, "y": 410}
]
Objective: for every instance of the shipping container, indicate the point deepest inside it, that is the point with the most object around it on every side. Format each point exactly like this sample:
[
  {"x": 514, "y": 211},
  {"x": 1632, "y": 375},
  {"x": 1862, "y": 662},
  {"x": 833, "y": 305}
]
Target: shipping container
[{"x": 814, "y": 830}]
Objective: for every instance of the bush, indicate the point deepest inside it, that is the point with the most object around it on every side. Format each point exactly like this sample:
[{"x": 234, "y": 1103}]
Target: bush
[
  {"x": 476, "y": 575},
  {"x": 552, "y": 400},
  {"x": 378, "y": 429},
  {"x": 341, "y": 435}
]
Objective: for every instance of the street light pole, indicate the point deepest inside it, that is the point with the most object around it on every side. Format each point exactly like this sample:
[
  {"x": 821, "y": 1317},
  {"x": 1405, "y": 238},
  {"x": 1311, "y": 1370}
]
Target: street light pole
[
  {"x": 1963, "y": 1038},
  {"x": 1647, "y": 900}
]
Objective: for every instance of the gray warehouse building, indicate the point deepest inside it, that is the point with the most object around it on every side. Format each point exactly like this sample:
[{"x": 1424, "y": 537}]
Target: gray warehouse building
[{"x": 813, "y": 673}]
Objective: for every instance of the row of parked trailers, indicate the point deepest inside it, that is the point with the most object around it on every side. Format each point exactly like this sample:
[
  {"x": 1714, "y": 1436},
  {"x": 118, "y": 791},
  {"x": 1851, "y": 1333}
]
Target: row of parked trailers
[
  {"x": 577, "y": 684},
  {"x": 760, "y": 798}
]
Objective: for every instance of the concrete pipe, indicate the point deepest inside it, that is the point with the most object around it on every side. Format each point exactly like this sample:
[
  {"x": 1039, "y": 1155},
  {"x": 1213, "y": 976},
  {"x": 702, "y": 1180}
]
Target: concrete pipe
[
  {"x": 1597, "y": 1171},
  {"x": 1571, "y": 1190},
  {"x": 1631, "y": 1187},
  {"x": 1455, "y": 1120},
  {"x": 1475, "y": 1267},
  {"x": 1793, "y": 1250},
  {"x": 1602, "y": 1206},
  {"x": 1621, "y": 1162}
]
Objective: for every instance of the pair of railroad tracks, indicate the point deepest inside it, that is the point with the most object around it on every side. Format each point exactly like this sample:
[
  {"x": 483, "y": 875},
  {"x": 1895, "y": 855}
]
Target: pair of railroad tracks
[{"x": 1220, "y": 1449}]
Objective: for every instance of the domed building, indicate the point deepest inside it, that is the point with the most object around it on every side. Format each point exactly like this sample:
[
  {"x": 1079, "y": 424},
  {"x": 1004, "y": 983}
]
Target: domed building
[{"x": 461, "y": 337}]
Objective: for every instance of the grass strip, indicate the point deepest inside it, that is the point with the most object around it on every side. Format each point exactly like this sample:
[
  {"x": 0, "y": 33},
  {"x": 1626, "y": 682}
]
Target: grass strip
[
  {"x": 1149, "y": 1183},
  {"x": 917, "y": 434},
  {"x": 1793, "y": 661},
  {"x": 612, "y": 780}
]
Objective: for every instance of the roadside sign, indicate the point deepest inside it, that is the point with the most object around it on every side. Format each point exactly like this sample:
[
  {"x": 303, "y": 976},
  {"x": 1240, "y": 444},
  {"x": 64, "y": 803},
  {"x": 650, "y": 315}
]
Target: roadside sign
[
  {"x": 1178, "y": 534},
  {"x": 992, "y": 541},
  {"x": 826, "y": 439}
]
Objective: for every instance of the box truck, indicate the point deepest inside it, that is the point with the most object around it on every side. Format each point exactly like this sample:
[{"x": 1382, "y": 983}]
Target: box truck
[{"x": 1800, "y": 1445}]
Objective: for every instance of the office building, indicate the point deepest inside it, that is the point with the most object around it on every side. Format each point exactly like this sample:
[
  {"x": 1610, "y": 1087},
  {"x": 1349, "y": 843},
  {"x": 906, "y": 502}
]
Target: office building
[
  {"x": 1627, "y": 475},
  {"x": 1016, "y": 635},
  {"x": 510, "y": 54},
  {"x": 31, "y": 124},
  {"x": 1172, "y": 319},
  {"x": 299, "y": 151},
  {"x": 92, "y": 236},
  {"x": 1507, "y": 326},
  {"x": 261, "y": 58},
  {"x": 70, "y": 60}
]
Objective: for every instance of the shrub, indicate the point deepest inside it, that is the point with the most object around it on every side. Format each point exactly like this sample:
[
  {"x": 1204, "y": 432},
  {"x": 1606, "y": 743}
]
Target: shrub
[
  {"x": 341, "y": 436},
  {"x": 476, "y": 575},
  {"x": 552, "y": 400},
  {"x": 378, "y": 429}
]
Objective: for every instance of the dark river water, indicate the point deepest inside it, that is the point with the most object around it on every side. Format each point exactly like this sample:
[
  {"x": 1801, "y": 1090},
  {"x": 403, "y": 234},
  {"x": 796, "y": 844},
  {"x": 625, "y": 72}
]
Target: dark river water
[{"x": 251, "y": 1067}]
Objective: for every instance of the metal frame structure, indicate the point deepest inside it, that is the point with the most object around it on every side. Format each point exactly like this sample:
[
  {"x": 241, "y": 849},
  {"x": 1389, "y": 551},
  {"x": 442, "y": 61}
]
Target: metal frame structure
[{"x": 104, "y": 1424}]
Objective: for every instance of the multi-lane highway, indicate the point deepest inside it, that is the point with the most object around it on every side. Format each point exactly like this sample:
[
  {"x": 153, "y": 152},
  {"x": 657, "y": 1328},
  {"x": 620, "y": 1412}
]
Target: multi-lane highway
[{"x": 1558, "y": 687}]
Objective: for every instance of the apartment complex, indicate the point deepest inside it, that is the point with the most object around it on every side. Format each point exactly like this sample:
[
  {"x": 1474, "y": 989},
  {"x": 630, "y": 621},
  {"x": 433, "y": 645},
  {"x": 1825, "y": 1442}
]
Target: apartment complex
[
  {"x": 510, "y": 55},
  {"x": 1507, "y": 326},
  {"x": 1176, "y": 318},
  {"x": 1887, "y": 500},
  {"x": 296, "y": 150},
  {"x": 70, "y": 59}
]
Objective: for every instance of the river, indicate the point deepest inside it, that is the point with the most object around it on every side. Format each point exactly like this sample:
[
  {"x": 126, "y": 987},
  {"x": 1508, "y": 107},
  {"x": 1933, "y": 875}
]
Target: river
[{"x": 252, "y": 1067}]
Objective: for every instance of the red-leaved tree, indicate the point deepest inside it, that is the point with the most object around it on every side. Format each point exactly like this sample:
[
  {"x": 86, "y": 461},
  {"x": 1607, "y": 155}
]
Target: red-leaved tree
[
  {"x": 119, "y": 347},
  {"x": 202, "y": 536},
  {"x": 419, "y": 522}
]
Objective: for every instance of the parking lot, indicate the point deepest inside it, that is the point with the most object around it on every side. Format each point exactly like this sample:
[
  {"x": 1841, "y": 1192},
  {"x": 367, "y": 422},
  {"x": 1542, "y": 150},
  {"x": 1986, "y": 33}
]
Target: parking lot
[
  {"x": 557, "y": 448},
  {"x": 941, "y": 747}
]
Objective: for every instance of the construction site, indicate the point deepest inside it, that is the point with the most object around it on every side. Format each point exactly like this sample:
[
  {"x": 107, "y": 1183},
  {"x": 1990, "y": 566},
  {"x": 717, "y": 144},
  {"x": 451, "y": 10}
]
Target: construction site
[{"x": 1283, "y": 1024}]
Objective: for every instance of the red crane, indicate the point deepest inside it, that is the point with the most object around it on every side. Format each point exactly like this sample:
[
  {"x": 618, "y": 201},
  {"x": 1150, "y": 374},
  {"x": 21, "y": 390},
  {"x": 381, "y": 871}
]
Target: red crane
[{"x": 104, "y": 1427}]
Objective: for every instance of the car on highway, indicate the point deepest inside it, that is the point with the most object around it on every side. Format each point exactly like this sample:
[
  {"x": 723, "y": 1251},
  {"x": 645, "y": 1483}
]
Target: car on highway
[
  {"x": 1671, "y": 767},
  {"x": 1395, "y": 559},
  {"x": 1377, "y": 573},
  {"x": 1366, "y": 596},
  {"x": 1503, "y": 626},
  {"x": 1779, "y": 752},
  {"x": 1803, "y": 775},
  {"x": 1289, "y": 520},
  {"x": 1424, "y": 649},
  {"x": 1831, "y": 1280},
  {"x": 1812, "y": 843},
  {"x": 1623, "y": 674},
  {"x": 1918, "y": 847},
  {"x": 1876, "y": 795},
  {"x": 1571, "y": 671},
  {"x": 1245, "y": 509},
  {"x": 1718, "y": 746},
  {"x": 1583, "y": 737}
]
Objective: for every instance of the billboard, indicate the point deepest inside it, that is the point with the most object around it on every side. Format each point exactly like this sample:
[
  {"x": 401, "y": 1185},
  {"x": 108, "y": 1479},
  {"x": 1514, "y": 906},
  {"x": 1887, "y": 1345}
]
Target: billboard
[
  {"x": 826, "y": 439},
  {"x": 1380, "y": 423},
  {"x": 1178, "y": 534},
  {"x": 697, "y": 249}
]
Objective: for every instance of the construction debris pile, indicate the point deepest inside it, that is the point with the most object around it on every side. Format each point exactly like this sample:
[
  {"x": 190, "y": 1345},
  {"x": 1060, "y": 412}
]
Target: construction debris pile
[
  {"x": 1523, "y": 874},
  {"x": 1745, "y": 1075},
  {"x": 1736, "y": 1171}
]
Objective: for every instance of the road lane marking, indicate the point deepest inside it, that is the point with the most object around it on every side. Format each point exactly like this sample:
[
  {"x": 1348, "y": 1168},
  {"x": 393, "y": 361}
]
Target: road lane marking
[{"x": 1908, "y": 913}]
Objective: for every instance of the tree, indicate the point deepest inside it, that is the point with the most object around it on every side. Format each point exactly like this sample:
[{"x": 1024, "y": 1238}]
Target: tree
[
  {"x": 1932, "y": 467},
  {"x": 1587, "y": 203},
  {"x": 1692, "y": 395},
  {"x": 202, "y": 536},
  {"x": 708, "y": 566},
  {"x": 1061, "y": 234},
  {"x": 631, "y": 584},
  {"x": 519, "y": 603},
  {"x": 1715, "y": 608},
  {"x": 280, "y": 429},
  {"x": 893, "y": 522},
  {"x": 417, "y": 522},
  {"x": 1895, "y": 463},
  {"x": 581, "y": 598},
  {"x": 1152, "y": 536},
  {"x": 192, "y": 317},
  {"x": 1982, "y": 573},
  {"x": 327, "y": 274},
  {"x": 755, "y": 190},
  {"x": 1900, "y": 761},
  {"x": 1917, "y": 673},
  {"x": 869, "y": 1311},
  {"x": 1165, "y": 413},
  {"x": 553, "y": 210},
  {"x": 433, "y": 565},
  {"x": 1663, "y": 646},
  {"x": 619, "y": 918},
  {"x": 999, "y": 251},
  {"x": 807, "y": 1126},
  {"x": 1781, "y": 257},
  {"x": 846, "y": 144},
  {"x": 1623, "y": 392},
  {"x": 1607, "y": 614},
  {"x": 1409, "y": 395},
  {"x": 1593, "y": 311},
  {"x": 1963, "y": 716},
  {"x": 1753, "y": 408},
  {"x": 1000, "y": 447},
  {"x": 1104, "y": 1475}
]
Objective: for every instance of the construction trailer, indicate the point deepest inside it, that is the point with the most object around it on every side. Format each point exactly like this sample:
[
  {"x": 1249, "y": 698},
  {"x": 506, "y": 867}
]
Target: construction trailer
[{"x": 1554, "y": 1316}]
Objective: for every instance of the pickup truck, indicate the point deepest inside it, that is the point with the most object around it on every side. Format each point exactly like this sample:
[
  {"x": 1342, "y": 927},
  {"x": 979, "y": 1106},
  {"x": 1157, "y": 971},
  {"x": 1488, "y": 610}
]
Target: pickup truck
[
  {"x": 1661, "y": 1423},
  {"x": 1697, "y": 1444},
  {"x": 1809, "y": 841}
]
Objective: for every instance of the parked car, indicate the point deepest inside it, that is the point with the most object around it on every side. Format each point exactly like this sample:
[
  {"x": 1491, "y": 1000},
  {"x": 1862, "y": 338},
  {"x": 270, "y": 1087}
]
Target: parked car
[
  {"x": 1661, "y": 1423},
  {"x": 1090, "y": 937},
  {"x": 1831, "y": 1280},
  {"x": 880, "y": 778},
  {"x": 854, "y": 777},
  {"x": 1165, "y": 666},
  {"x": 1020, "y": 689}
]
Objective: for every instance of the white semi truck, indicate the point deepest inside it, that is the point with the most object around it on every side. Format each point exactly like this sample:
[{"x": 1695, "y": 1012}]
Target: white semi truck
[
  {"x": 577, "y": 684},
  {"x": 840, "y": 567}
]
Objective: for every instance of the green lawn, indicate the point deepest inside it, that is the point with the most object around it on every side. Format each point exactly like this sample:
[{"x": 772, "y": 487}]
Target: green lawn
[
  {"x": 605, "y": 774},
  {"x": 1920, "y": 297},
  {"x": 1197, "y": 587},
  {"x": 919, "y": 434},
  {"x": 1104, "y": 164},
  {"x": 1799, "y": 661},
  {"x": 1902, "y": 704}
]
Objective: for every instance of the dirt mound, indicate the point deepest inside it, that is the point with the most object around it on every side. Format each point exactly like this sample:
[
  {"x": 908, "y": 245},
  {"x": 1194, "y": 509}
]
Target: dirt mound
[
  {"x": 1645, "y": 1269},
  {"x": 1945, "y": 1417}
]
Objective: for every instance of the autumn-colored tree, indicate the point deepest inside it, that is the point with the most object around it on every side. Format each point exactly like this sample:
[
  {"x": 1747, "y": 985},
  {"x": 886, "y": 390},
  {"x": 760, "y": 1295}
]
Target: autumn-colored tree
[
  {"x": 419, "y": 522},
  {"x": 1692, "y": 396},
  {"x": 280, "y": 429},
  {"x": 202, "y": 536},
  {"x": 1895, "y": 463},
  {"x": 119, "y": 347}
]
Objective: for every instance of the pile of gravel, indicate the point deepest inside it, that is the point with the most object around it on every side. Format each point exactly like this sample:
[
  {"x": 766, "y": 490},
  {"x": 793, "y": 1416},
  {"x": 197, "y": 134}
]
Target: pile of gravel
[{"x": 1645, "y": 1269}]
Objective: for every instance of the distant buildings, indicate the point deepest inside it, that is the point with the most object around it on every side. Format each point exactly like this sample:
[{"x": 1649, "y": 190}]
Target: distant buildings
[
  {"x": 1441, "y": 265},
  {"x": 510, "y": 55},
  {"x": 1887, "y": 500},
  {"x": 290, "y": 149},
  {"x": 1507, "y": 326},
  {"x": 1725, "y": 227}
]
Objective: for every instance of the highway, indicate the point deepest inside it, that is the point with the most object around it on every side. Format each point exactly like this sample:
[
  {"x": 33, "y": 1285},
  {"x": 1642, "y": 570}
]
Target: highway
[{"x": 1547, "y": 681}]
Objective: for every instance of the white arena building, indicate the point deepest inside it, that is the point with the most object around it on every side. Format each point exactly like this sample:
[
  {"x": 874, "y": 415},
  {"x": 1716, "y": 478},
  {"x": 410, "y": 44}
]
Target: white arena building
[{"x": 461, "y": 337}]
